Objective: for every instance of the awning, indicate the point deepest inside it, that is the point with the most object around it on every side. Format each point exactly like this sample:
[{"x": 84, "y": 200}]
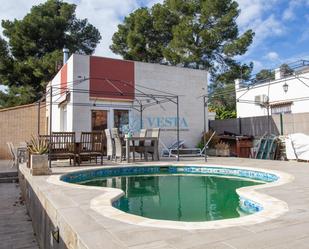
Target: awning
[{"x": 281, "y": 103}]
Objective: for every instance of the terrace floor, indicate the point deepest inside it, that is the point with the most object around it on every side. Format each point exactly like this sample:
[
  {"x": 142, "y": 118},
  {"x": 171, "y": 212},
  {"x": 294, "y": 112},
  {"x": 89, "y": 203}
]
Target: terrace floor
[
  {"x": 291, "y": 230},
  {"x": 15, "y": 224}
]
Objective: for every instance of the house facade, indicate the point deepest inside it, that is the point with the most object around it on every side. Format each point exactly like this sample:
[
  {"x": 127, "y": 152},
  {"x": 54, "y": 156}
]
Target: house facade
[
  {"x": 92, "y": 93},
  {"x": 284, "y": 94}
]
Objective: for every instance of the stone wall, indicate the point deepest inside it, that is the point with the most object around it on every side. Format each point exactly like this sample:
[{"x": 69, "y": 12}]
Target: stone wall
[
  {"x": 18, "y": 124},
  {"x": 43, "y": 225},
  {"x": 258, "y": 126}
]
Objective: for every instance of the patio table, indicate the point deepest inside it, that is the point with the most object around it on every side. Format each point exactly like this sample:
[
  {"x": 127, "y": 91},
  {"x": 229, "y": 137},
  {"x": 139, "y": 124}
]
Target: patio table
[{"x": 137, "y": 139}]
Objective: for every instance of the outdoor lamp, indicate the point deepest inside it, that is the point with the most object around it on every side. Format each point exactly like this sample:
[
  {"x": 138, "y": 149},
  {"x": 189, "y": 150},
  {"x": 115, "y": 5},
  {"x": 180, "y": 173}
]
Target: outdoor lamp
[{"x": 285, "y": 87}]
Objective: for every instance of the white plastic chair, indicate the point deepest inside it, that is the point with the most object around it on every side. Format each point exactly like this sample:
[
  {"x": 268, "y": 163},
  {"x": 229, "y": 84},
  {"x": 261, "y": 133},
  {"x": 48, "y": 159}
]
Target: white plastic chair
[
  {"x": 13, "y": 153},
  {"x": 109, "y": 144}
]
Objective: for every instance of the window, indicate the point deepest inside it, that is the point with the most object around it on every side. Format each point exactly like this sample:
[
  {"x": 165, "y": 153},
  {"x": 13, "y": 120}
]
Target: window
[
  {"x": 121, "y": 118},
  {"x": 99, "y": 120},
  {"x": 281, "y": 108},
  {"x": 63, "y": 118}
]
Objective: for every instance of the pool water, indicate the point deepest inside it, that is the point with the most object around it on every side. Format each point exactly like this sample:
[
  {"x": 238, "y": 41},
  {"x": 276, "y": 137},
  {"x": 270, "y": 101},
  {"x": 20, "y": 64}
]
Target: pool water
[{"x": 177, "y": 197}]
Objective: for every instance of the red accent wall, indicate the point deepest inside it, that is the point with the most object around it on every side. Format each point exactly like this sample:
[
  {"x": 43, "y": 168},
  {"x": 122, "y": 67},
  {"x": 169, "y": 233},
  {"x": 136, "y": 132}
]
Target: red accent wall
[
  {"x": 110, "y": 77},
  {"x": 64, "y": 78}
]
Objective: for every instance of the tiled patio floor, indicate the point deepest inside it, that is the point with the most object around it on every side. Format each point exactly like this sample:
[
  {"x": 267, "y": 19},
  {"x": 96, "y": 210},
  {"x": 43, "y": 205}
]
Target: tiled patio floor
[{"x": 15, "y": 225}]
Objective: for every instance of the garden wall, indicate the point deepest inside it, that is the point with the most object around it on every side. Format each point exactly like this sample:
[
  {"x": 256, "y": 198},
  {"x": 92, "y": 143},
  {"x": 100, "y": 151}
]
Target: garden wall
[
  {"x": 258, "y": 126},
  {"x": 18, "y": 124}
]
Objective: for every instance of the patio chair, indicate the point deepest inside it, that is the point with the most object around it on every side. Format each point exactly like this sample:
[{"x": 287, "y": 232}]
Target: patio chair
[
  {"x": 109, "y": 144},
  {"x": 22, "y": 152},
  {"x": 140, "y": 148},
  {"x": 61, "y": 145},
  {"x": 13, "y": 153},
  {"x": 91, "y": 145},
  {"x": 120, "y": 149},
  {"x": 115, "y": 132},
  {"x": 153, "y": 147}
]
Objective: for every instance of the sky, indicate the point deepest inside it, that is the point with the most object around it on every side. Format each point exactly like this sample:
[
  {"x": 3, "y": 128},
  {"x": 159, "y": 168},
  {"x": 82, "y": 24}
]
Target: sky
[{"x": 281, "y": 27}]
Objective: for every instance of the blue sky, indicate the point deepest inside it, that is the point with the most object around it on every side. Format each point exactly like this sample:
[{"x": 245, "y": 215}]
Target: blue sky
[
  {"x": 281, "y": 26},
  {"x": 282, "y": 33}
]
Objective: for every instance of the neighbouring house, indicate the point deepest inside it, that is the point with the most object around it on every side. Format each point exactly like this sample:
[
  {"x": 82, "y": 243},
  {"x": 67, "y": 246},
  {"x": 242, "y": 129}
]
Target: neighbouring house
[
  {"x": 285, "y": 94},
  {"x": 92, "y": 93}
]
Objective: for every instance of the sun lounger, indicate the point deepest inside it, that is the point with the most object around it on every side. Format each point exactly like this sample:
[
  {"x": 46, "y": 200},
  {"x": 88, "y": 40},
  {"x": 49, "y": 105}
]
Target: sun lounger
[{"x": 167, "y": 151}]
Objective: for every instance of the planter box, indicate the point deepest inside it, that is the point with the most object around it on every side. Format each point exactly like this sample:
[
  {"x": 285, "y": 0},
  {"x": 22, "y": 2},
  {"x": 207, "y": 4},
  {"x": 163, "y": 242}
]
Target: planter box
[
  {"x": 39, "y": 165},
  {"x": 222, "y": 152}
]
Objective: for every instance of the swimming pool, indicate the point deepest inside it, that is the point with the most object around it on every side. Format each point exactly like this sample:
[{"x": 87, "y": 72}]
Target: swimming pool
[{"x": 177, "y": 193}]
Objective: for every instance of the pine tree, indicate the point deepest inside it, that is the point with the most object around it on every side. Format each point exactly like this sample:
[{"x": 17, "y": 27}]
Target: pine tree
[{"x": 29, "y": 57}]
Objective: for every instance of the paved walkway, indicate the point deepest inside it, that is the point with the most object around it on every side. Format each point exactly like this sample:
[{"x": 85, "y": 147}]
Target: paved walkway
[{"x": 15, "y": 225}]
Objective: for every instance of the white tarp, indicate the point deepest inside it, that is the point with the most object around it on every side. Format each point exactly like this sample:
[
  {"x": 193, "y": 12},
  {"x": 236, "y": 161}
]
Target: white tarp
[{"x": 297, "y": 146}]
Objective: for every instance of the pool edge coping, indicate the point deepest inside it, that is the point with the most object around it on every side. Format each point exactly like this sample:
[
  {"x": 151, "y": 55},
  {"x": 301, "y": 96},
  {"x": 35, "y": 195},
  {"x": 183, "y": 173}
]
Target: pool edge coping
[{"x": 272, "y": 207}]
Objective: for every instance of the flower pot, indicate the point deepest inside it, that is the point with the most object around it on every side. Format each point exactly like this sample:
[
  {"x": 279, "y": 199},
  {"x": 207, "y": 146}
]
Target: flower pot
[
  {"x": 222, "y": 152},
  {"x": 39, "y": 164}
]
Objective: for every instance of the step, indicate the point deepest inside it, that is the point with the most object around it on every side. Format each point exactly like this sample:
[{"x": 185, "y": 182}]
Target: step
[
  {"x": 8, "y": 174},
  {"x": 11, "y": 179}
]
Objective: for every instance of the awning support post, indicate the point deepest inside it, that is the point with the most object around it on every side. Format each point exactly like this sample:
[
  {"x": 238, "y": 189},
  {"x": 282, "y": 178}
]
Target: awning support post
[
  {"x": 177, "y": 103},
  {"x": 50, "y": 124},
  {"x": 141, "y": 116},
  {"x": 204, "y": 133},
  {"x": 39, "y": 116}
]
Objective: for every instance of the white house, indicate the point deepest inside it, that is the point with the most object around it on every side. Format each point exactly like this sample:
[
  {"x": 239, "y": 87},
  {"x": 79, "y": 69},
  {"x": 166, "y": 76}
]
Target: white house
[
  {"x": 94, "y": 93},
  {"x": 285, "y": 94}
]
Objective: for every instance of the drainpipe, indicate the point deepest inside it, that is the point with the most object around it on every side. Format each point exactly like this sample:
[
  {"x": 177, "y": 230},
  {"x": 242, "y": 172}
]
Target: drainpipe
[{"x": 281, "y": 124}]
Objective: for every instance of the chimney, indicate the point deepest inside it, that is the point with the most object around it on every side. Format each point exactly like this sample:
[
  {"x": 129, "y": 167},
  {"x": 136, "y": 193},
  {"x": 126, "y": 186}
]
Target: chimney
[
  {"x": 278, "y": 74},
  {"x": 65, "y": 55}
]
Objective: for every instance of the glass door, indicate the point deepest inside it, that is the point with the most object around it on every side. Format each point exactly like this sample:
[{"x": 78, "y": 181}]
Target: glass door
[
  {"x": 121, "y": 120},
  {"x": 99, "y": 120}
]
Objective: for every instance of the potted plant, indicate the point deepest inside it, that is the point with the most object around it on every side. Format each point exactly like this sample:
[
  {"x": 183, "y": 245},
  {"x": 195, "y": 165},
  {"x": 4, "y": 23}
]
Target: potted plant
[
  {"x": 222, "y": 149},
  {"x": 38, "y": 149}
]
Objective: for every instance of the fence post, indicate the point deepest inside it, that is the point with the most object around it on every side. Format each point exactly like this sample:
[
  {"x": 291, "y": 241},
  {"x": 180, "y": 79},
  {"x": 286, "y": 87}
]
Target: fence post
[{"x": 239, "y": 125}]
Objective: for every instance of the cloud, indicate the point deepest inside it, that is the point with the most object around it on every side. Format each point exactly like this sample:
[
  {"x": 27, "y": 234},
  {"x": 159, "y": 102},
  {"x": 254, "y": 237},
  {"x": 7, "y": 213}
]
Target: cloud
[
  {"x": 253, "y": 10},
  {"x": 152, "y": 2},
  {"x": 106, "y": 15},
  {"x": 266, "y": 28},
  {"x": 10, "y": 9},
  {"x": 304, "y": 36},
  {"x": 257, "y": 15},
  {"x": 289, "y": 13},
  {"x": 272, "y": 56},
  {"x": 258, "y": 65},
  {"x": 103, "y": 14}
]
